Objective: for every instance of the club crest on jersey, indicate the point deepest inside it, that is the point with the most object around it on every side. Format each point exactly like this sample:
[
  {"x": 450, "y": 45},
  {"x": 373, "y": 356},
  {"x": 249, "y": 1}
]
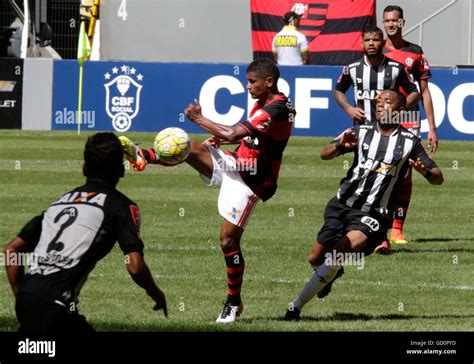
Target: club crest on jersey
[
  {"x": 122, "y": 96},
  {"x": 397, "y": 153},
  {"x": 409, "y": 61}
]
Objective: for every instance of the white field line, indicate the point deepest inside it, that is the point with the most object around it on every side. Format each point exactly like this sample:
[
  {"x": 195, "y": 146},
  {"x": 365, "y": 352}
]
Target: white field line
[
  {"x": 384, "y": 284},
  {"x": 462, "y": 287}
]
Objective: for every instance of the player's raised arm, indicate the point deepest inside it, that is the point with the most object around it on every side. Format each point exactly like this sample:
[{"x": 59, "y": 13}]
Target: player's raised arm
[
  {"x": 422, "y": 162},
  {"x": 227, "y": 133},
  {"x": 346, "y": 142}
]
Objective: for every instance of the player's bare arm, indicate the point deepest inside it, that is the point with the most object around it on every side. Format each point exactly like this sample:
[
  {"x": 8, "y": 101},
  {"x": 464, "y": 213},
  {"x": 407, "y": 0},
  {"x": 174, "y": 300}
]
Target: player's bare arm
[
  {"x": 305, "y": 55},
  {"x": 348, "y": 140},
  {"x": 228, "y": 133},
  {"x": 434, "y": 176},
  {"x": 429, "y": 111},
  {"x": 15, "y": 272},
  {"x": 141, "y": 275},
  {"x": 412, "y": 99},
  {"x": 354, "y": 113},
  {"x": 216, "y": 142}
]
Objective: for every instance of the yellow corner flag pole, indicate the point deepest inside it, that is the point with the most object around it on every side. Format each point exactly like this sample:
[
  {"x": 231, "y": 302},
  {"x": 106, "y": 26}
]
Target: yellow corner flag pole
[{"x": 83, "y": 53}]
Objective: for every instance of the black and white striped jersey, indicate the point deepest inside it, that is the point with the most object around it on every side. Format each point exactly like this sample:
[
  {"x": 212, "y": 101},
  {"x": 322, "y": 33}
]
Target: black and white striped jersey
[
  {"x": 379, "y": 164},
  {"x": 75, "y": 232},
  {"x": 369, "y": 82}
]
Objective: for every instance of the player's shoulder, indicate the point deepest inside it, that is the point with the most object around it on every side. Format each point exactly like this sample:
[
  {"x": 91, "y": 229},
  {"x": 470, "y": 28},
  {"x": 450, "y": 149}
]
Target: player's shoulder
[
  {"x": 407, "y": 134},
  {"x": 367, "y": 126},
  {"x": 118, "y": 202},
  {"x": 413, "y": 48},
  {"x": 393, "y": 63},
  {"x": 355, "y": 64},
  {"x": 280, "y": 108},
  {"x": 281, "y": 102},
  {"x": 122, "y": 198}
]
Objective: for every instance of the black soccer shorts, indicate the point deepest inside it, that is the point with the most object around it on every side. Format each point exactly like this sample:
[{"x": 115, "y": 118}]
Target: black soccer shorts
[{"x": 339, "y": 219}]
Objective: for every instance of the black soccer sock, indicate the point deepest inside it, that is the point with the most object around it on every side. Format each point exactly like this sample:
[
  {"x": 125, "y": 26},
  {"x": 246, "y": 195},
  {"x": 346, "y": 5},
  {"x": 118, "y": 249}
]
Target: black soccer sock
[
  {"x": 150, "y": 155},
  {"x": 235, "y": 274}
]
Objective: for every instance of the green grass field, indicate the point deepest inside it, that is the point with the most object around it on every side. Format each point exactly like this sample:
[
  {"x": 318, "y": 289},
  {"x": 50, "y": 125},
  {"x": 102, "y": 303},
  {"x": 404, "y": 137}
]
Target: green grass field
[{"x": 427, "y": 285}]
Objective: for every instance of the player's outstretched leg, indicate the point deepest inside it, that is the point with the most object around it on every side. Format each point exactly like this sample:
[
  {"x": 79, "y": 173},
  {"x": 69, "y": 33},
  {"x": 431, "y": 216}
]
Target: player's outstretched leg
[
  {"x": 133, "y": 153},
  {"x": 323, "y": 274},
  {"x": 200, "y": 159}
]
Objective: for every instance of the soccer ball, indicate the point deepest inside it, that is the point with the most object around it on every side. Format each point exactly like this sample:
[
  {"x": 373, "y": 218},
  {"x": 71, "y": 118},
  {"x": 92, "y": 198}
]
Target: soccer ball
[{"x": 172, "y": 145}]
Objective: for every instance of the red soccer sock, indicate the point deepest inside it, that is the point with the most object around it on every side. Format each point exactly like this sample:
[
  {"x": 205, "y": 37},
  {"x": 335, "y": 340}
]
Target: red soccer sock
[
  {"x": 235, "y": 274},
  {"x": 401, "y": 207}
]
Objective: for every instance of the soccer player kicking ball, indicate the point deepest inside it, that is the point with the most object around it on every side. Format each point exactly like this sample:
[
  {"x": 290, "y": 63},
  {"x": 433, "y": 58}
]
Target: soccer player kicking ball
[
  {"x": 245, "y": 176},
  {"x": 359, "y": 216}
]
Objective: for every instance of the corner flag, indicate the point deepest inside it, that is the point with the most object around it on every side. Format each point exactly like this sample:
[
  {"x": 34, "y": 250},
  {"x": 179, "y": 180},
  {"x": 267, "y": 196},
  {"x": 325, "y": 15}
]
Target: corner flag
[
  {"x": 84, "y": 45},
  {"x": 83, "y": 53}
]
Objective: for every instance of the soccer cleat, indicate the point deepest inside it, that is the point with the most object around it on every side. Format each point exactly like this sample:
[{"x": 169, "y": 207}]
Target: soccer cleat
[
  {"x": 327, "y": 288},
  {"x": 133, "y": 153},
  {"x": 229, "y": 313},
  {"x": 397, "y": 237},
  {"x": 383, "y": 248},
  {"x": 293, "y": 314}
]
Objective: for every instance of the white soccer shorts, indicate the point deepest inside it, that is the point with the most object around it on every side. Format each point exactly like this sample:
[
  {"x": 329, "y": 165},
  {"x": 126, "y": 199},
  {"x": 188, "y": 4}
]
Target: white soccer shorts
[{"x": 236, "y": 200}]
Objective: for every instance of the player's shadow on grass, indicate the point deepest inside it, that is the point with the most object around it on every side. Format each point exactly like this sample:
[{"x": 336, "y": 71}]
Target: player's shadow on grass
[
  {"x": 424, "y": 250},
  {"x": 441, "y": 240},
  {"x": 348, "y": 316}
]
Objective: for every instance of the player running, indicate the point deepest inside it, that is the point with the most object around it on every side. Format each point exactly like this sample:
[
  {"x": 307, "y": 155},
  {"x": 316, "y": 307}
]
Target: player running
[
  {"x": 359, "y": 216},
  {"x": 245, "y": 176}
]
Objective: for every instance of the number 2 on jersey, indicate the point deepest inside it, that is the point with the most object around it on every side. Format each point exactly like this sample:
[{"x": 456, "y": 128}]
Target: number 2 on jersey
[{"x": 71, "y": 214}]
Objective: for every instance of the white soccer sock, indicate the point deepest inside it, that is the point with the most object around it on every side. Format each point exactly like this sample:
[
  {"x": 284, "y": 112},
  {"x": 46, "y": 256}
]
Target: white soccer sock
[{"x": 322, "y": 275}]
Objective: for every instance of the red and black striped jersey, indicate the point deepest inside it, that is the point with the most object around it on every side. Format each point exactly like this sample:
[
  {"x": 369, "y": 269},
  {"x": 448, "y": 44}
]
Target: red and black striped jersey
[
  {"x": 412, "y": 56},
  {"x": 269, "y": 126}
]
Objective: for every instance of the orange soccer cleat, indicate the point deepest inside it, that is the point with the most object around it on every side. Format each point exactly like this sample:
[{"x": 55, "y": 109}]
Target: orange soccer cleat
[{"x": 397, "y": 237}]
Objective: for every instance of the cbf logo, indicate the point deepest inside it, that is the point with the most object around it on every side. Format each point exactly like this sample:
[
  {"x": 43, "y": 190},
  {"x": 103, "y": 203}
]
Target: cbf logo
[{"x": 123, "y": 96}]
